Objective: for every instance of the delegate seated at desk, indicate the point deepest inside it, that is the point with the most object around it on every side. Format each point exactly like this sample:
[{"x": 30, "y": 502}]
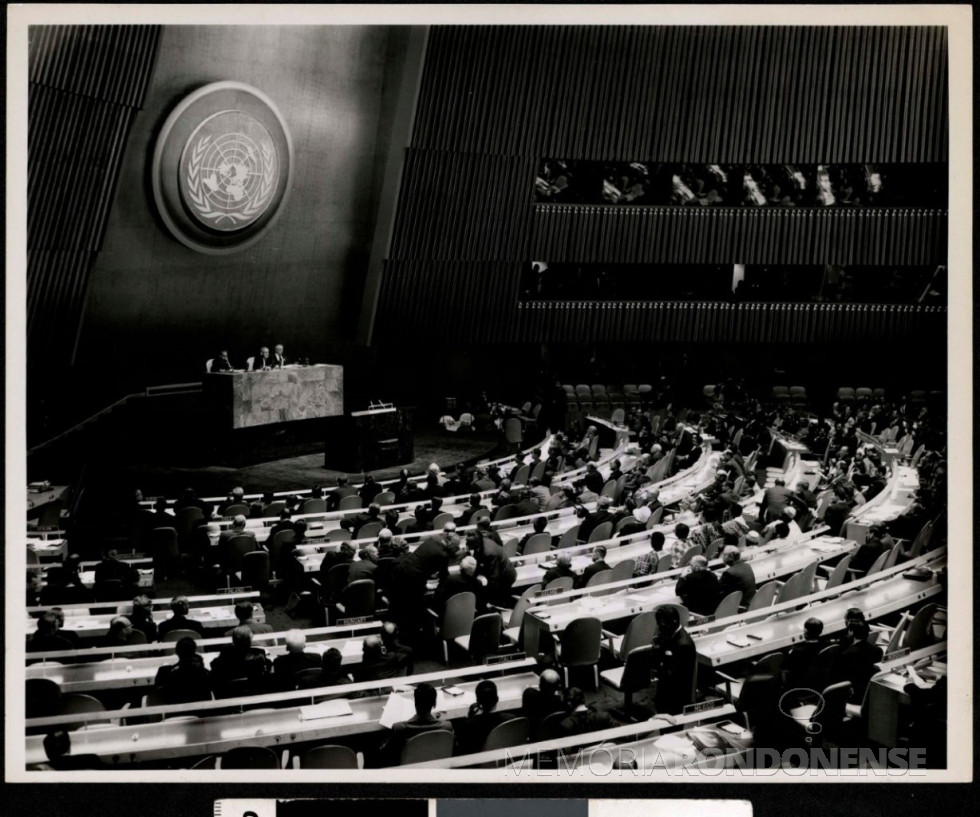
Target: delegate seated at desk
[{"x": 424, "y": 720}]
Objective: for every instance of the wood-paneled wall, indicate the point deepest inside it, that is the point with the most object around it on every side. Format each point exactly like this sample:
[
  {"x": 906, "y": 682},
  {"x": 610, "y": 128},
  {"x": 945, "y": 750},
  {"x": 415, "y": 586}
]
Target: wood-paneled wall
[
  {"x": 743, "y": 235},
  {"x": 688, "y": 93},
  {"x": 86, "y": 85},
  {"x": 495, "y": 100},
  {"x": 706, "y": 322}
]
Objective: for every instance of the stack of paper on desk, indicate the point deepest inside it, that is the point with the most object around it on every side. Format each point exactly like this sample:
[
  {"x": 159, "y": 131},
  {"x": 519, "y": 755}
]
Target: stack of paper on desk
[{"x": 328, "y": 709}]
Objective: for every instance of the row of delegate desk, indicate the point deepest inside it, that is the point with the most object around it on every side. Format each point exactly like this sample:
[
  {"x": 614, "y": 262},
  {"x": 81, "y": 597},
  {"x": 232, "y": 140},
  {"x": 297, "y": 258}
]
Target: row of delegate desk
[
  {"x": 560, "y": 521},
  {"x": 748, "y": 635},
  {"x": 773, "y": 629},
  {"x": 92, "y": 620},
  {"x": 897, "y": 496},
  {"x": 635, "y": 596},
  {"x": 331, "y": 519},
  {"x": 136, "y": 666},
  {"x": 652, "y": 745},
  {"x": 294, "y": 720}
]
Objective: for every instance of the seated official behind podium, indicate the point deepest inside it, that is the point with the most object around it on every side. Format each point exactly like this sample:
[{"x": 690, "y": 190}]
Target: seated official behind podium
[
  {"x": 221, "y": 363},
  {"x": 278, "y": 358},
  {"x": 262, "y": 361}
]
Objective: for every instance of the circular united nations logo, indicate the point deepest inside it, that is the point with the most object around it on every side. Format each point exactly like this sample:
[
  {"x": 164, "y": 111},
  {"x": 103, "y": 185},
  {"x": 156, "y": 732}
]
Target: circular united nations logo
[{"x": 221, "y": 167}]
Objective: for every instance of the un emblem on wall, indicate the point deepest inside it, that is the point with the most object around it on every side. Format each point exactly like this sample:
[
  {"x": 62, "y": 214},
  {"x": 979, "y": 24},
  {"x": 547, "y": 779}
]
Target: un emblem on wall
[{"x": 221, "y": 167}]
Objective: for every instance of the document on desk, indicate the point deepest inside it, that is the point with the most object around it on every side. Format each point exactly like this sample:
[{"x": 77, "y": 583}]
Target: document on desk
[
  {"x": 328, "y": 709},
  {"x": 398, "y": 708}
]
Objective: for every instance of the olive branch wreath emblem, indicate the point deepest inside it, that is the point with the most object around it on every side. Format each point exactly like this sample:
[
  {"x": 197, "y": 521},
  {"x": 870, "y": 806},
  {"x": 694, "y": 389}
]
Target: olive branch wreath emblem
[{"x": 201, "y": 201}]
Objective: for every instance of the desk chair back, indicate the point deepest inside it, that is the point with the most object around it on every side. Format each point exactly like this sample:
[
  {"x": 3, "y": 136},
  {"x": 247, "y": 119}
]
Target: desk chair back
[
  {"x": 550, "y": 726},
  {"x": 892, "y": 557},
  {"x": 764, "y": 596},
  {"x": 457, "y": 620},
  {"x": 276, "y": 543},
  {"x": 714, "y": 548},
  {"x": 639, "y": 633},
  {"x": 485, "y": 636},
  {"x": 665, "y": 563},
  {"x": 601, "y": 532},
  {"x": 42, "y": 697},
  {"x": 823, "y": 666},
  {"x": 510, "y": 547},
  {"x": 921, "y": 542},
  {"x": 176, "y": 635},
  {"x": 235, "y": 549},
  {"x": 831, "y": 715},
  {"x": 510, "y": 511},
  {"x": 513, "y": 732},
  {"x": 79, "y": 704},
  {"x": 522, "y": 475},
  {"x": 690, "y": 553},
  {"x": 569, "y": 538},
  {"x": 623, "y": 570},
  {"x": 796, "y": 587},
  {"x": 581, "y": 645},
  {"x": 918, "y": 635},
  {"x": 314, "y": 504},
  {"x": 385, "y": 498},
  {"x": 561, "y": 584},
  {"x": 329, "y": 757},
  {"x": 728, "y": 606},
  {"x": 339, "y": 534},
  {"x": 256, "y": 569},
  {"x": 274, "y": 508},
  {"x": 249, "y": 757},
  {"x": 238, "y": 509},
  {"x": 111, "y": 590},
  {"x": 602, "y": 577},
  {"x": 539, "y": 543},
  {"x": 878, "y": 565},
  {"x": 434, "y": 745},
  {"x": 369, "y": 530},
  {"x": 336, "y": 581},
  {"x": 358, "y": 599},
  {"x": 655, "y": 518},
  {"x": 184, "y": 520},
  {"x": 350, "y": 503},
  {"x": 839, "y": 573},
  {"x": 441, "y": 519}
]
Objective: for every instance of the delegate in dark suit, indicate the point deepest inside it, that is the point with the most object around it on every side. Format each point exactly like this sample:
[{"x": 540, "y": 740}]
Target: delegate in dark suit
[
  {"x": 590, "y": 571},
  {"x": 738, "y": 576},
  {"x": 856, "y": 664},
  {"x": 674, "y": 665},
  {"x": 774, "y": 500},
  {"x": 700, "y": 591},
  {"x": 286, "y": 666}
]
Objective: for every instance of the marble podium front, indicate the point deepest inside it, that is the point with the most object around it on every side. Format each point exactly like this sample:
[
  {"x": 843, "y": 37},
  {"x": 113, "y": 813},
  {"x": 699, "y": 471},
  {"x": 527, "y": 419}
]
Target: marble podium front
[{"x": 278, "y": 395}]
